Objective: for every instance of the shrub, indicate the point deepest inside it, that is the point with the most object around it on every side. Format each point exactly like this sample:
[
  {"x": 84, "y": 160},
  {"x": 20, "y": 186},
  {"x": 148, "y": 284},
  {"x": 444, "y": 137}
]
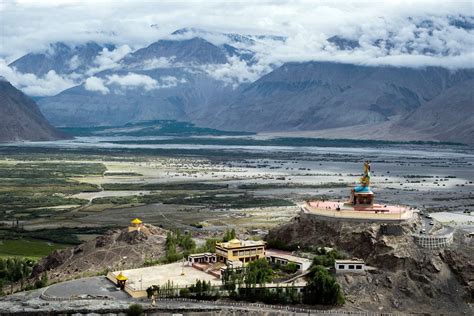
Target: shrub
[
  {"x": 289, "y": 268},
  {"x": 184, "y": 293},
  {"x": 135, "y": 310}
]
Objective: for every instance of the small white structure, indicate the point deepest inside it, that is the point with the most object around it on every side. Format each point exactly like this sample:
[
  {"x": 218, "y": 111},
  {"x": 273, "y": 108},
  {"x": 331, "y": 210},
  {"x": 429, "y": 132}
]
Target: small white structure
[
  {"x": 284, "y": 258},
  {"x": 205, "y": 257},
  {"x": 352, "y": 265}
]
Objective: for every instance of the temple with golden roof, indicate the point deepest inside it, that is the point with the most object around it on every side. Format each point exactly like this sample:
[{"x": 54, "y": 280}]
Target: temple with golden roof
[{"x": 135, "y": 225}]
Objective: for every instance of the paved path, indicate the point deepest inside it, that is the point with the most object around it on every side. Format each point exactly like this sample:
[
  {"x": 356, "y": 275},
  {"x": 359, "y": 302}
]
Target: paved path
[{"x": 95, "y": 286}]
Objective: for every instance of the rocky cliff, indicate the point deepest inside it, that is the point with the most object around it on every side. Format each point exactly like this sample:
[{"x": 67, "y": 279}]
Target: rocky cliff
[
  {"x": 20, "y": 118},
  {"x": 406, "y": 278}
]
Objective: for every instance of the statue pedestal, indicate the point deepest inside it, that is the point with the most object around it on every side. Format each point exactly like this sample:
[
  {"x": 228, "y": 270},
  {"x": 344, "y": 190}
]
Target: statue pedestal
[{"x": 364, "y": 198}]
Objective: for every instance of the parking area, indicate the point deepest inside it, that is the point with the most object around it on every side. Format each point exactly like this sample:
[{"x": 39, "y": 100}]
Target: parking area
[{"x": 94, "y": 286}]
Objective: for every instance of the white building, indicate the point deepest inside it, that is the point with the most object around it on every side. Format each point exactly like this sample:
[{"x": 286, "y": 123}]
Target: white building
[
  {"x": 205, "y": 257},
  {"x": 352, "y": 265},
  {"x": 284, "y": 257}
]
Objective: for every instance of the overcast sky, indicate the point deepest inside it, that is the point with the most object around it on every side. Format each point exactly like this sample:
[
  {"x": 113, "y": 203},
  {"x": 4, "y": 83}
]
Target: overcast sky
[{"x": 30, "y": 25}]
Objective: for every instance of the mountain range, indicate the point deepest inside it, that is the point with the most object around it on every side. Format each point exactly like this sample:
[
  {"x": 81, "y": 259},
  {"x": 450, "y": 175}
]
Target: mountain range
[
  {"x": 21, "y": 118},
  {"x": 189, "y": 78},
  {"x": 431, "y": 102}
]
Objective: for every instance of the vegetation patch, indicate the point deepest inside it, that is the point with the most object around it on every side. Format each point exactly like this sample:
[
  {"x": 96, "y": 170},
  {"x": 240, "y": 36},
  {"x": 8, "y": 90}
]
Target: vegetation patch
[
  {"x": 29, "y": 248},
  {"x": 149, "y": 128},
  {"x": 163, "y": 186}
]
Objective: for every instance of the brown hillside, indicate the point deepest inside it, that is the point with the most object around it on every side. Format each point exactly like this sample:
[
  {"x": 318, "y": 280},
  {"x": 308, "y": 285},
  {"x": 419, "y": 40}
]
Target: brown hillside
[{"x": 116, "y": 249}]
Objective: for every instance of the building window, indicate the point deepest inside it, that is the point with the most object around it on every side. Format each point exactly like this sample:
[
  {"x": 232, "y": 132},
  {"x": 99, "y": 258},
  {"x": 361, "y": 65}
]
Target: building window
[
  {"x": 235, "y": 253},
  {"x": 341, "y": 266},
  {"x": 358, "y": 267},
  {"x": 351, "y": 267}
]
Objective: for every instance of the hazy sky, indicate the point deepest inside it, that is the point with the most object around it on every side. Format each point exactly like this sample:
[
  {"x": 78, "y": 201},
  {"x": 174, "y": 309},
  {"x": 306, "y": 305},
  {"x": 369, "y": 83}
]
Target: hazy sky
[{"x": 30, "y": 25}]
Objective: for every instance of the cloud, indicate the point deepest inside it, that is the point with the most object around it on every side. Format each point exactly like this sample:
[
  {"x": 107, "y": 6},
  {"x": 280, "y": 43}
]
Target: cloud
[
  {"x": 236, "y": 71},
  {"x": 96, "y": 84},
  {"x": 161, "y": 62},
  {"x": 170, "y": 82},
  {"x": 49, "y": 84},
  {"x": 74, "y": 63},
  {"x": 130, "y": 81},
  {"x": 109, "y": 59},
  {"x": 431, "y": 28},
  {"x": 396, "y": 33},
  {"x": 133, "y": 80}
]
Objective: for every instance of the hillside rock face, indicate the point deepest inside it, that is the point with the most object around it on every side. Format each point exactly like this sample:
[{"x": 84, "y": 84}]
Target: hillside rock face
[
  {"x": 21, "y": 119},
  {"x": 117, "y": 249},
  {"x": 449, "y": 116},
  {"x": 195, "y": 50},
  {"x": 165, "y": 80},
  {"x": 407, "y": 278},
  {"x": 325, "y": 95},
  {"x": 186, "y": 93}
]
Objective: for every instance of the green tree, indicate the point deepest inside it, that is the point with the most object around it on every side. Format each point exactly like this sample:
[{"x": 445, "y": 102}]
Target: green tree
[
  {"x": 184, "y": 293},
  {"x": 322, "y": 288},
  {"x": 258, "y": 272},
  {"x": 326, "y": 258},
  {"x": 42, "y": 282},
  {"x": 229, "y": 235},
  {"x": 135, "y": 310},
  {"x": 209, "y": 246},
  {"x": 291, "y": 267}
]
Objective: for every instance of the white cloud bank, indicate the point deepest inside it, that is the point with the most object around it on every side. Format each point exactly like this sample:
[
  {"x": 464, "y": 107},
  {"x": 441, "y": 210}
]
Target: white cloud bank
[
  {"x": 425, "y": 25},
  {"x": 49, "y": 84},
  {"x": 96, "y": 84},
  {"x": 396, "y": 32},
  {"x": 109, "y": 59},
  {"x": 130, "y": 81}
]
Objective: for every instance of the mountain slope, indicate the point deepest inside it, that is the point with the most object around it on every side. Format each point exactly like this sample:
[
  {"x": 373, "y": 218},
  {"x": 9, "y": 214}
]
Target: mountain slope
[
  {"x": 449, "y": 116},
  {"x": 195, "y": 50},
  {"x": 21, "y": 118},
  {"x": 60, "y": 57},
  {"x": 166, "y": 80},
  {"x": 185, "y": 92},
  {"x": 323, "y": 95}
]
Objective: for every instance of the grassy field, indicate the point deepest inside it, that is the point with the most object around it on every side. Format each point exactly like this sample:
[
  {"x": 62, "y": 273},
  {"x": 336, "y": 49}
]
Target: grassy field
[
  {"x": 28, "y": 185},
  {"x": 29, "y": 248}
]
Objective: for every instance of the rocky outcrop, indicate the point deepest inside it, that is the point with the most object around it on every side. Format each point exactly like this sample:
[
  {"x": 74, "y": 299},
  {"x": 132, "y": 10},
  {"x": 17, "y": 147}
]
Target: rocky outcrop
[
  {"x": 116, "y": 249},
  {"x": 406, "y": 278},
  {"x": 20, "y": 117},
  {"x": 460, "y": 260}
]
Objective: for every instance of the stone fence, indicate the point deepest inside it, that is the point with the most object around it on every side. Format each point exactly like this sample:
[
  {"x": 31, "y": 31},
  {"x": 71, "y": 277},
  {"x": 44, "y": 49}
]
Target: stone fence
[{"x": 260, "y": 306}]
